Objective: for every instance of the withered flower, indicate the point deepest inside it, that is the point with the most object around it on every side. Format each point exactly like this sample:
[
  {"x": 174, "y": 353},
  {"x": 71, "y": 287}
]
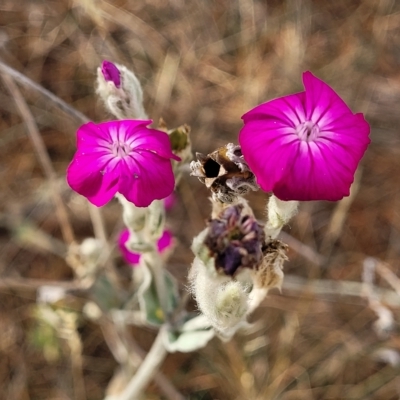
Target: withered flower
[
  {"x": 234, "y": 267},
  {"x": 269, "y": 273},
  {"x": 234, "y": 240},
  {"x": 225, "y": 172}
]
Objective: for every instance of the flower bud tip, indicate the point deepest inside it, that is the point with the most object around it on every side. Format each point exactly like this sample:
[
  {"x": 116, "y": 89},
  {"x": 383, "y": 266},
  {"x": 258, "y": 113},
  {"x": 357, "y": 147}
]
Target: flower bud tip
[{"x": 111, "y": 73}]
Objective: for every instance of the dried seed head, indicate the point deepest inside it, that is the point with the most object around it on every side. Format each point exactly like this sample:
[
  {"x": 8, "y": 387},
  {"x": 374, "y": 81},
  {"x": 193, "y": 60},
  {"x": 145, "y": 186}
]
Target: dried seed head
[
  {"x": 269, "y": 273},
  {"x": 225, "y": 172}
]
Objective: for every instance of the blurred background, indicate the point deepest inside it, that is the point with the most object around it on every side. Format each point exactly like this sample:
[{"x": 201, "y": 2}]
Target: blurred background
[{"x": 332, "y": 332}]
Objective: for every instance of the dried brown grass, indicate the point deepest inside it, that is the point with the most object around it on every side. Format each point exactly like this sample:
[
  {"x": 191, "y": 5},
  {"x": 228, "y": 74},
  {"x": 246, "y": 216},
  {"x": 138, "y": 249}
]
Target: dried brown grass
[{"x": 205, "y": 63}]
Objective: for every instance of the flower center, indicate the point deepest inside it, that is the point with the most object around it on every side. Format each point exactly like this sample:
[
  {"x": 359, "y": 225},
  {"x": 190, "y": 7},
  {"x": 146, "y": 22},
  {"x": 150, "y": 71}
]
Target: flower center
[
  {"x": 307, "y": 131},
  {"x": 120, "y": 149}
]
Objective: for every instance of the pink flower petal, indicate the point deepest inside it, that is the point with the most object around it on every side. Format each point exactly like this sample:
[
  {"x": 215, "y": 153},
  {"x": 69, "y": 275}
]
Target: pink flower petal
[
  {"x": 86, "y": 176},
  {"x": 122, "y": 156},
  {"x": 111, "y": 73},
  {"x": 149, "y": 139},
  {"x": 312, "y": 178},
  {"x": 170, "y": 201},
  {"x": 305, "y": 146},
  {"x": 163, "y": 243},
  {"x": 94, "y": 135},
  {"x": 266, "y": 126},
  {"x": 129, "y": 256},
  {"x": 281, "y": 151},
  {"x": 322, "y": 104},
  {"x": 288, "y": 110},
  {"x": 154, "y": 180}
]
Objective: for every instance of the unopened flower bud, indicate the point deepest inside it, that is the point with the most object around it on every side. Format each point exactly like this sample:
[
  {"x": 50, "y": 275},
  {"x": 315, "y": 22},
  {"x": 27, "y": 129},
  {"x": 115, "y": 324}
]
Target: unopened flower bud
[
  {"x": 231, "y": 301},
  {"x": 111, "y": 73},
  {"x": 225, "y": 173},
  {"x": 222, "y": 300},
  {"x": 121, "y": 91},
  {"x": 134, "y": 217},
  {"x": 91, "y": 249},
  {"x": 132, "y": 257},
  {"x": 145, "y": 225},
  {"x": 279, "y": 214}
]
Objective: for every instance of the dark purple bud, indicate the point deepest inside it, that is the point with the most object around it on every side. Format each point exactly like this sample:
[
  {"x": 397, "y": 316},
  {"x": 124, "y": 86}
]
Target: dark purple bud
[
  {"x": 235, "y": 240},
  {"x": 111, "y": 73},
  {"x": 231, "y": 259}
]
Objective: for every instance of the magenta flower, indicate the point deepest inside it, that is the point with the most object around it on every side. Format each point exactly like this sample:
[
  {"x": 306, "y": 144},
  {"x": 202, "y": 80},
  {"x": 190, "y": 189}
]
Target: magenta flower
[
  {"x": 125, "y": 157},
  {"x": 305, "y": 146},
  {"x": 164, "y": 242},
  {"x": 170, "y": 201},
  {"x": 111, "y": 73}
]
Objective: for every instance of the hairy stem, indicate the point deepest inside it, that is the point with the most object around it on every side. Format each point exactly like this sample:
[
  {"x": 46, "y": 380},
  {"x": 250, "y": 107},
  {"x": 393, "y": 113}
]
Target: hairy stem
[
  {"x": 154, "y": 263},
  {"x": 147, "y": 370},
  {"x": 127, "y": 351}
]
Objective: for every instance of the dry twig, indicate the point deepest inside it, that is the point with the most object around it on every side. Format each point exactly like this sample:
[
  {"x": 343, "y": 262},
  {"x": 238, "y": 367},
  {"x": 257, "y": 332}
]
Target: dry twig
[{"x": 43, "y": 156}]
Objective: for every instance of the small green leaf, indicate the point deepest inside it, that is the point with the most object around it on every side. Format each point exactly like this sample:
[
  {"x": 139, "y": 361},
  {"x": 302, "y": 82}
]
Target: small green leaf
[
  {"x": 194, "y": 334},
  {"x": 148, "y": 299},
  {"x": 179, "y": 138}
]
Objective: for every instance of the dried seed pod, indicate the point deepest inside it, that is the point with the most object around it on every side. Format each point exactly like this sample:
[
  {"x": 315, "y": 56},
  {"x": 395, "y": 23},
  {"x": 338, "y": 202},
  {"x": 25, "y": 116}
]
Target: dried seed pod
[
  {"x": 225, "y": 173},
  {"x": 269, "y": 273}
]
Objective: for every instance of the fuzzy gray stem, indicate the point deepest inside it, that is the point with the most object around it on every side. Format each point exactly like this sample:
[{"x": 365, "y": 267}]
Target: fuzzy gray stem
[
  {"x": 154, "y": 263},
  {"x": 147, "y": 369}
]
